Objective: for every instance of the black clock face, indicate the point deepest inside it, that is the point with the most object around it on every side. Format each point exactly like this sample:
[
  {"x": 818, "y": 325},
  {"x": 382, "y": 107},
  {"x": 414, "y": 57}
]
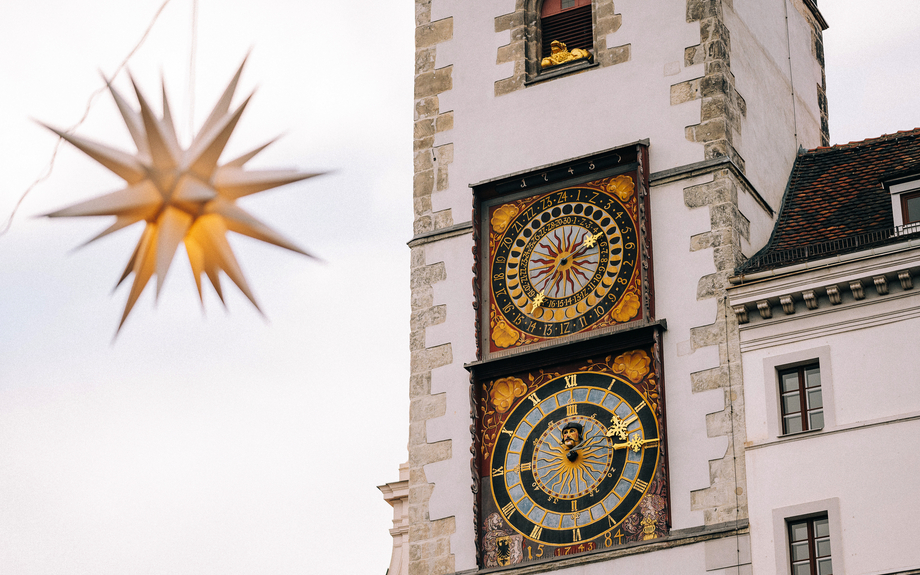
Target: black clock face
[
  {"x": 560, "y": 494},
  {"x": 563, "y": 261}
]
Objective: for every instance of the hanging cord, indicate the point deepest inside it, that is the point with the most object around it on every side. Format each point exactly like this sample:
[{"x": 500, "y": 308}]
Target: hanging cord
[
  {"x": 89, "y": 104},
  {"x": 191, "y": 70},
  {"x": 731, "y": 412},
  {"x": 795, "y": 122}
]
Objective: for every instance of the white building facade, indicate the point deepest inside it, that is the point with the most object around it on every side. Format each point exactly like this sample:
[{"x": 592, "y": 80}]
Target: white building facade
[{"x": 702, "y": 105}]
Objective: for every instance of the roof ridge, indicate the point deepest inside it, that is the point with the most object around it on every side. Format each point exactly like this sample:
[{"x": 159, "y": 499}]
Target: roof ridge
[{"x": 882, "y": 138}]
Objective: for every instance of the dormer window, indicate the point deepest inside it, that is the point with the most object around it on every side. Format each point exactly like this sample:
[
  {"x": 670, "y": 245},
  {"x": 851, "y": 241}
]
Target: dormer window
[
  {"x": 905, "y": 201},
  {"x": 910, "y": 207}
]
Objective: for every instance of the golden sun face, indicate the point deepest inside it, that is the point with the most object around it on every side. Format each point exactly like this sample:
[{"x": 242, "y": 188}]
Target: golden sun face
[{"x": 182, "y": 195}]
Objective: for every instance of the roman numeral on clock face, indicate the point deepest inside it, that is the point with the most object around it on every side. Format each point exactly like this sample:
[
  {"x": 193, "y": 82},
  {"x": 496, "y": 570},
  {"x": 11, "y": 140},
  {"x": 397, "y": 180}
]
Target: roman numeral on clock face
[
  {"x": 508, "y": 510},
  {"x": 537, "y": 531},
  {"x": 571, "y": 409},
  {"x": 576, "y": 535},
  {"x": 640, "y": 485},
  {"x": 526, "y": 466},
  {"x": 570, "y": 381}
]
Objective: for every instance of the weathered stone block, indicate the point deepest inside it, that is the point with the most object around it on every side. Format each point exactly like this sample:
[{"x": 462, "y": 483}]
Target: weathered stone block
[
  {"x": 421, "y": 205},
  {"x": 445, "y": 153},
  {"x": 422, "y": 161},
  {"x": 434, "y": 33},
  {"x": 428, "y": 317},
  {"x": 709, "y": 379},
  {"x": 442, "y": 183},
  {"x": 424, "y": 60},
  {"x": 510, "y": 53},
  {"x": 419, "y": 384},
  {"x": 443, "y": 219},
  {"x": 434, "y": 82},
  {"x": 422, "y": 183},
  {"x": 423, "y": 129},
  {"x": 422, "y": 225},
  {"x": 444, "y": 122},
  {"x": 685, "y": 92},
  {"x": 422, "y": 296},
  {"x": 426, "y": 108},
  {"x": 428, "y": 275}
]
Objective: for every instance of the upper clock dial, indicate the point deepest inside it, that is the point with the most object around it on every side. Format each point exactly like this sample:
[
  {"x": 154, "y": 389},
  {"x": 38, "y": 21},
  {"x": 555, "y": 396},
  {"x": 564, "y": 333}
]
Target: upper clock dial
[{"x": 563, "y": 262}]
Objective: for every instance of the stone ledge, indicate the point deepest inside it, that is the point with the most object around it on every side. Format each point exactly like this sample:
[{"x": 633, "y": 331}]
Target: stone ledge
[
  {"x": 707, "y": 167},
  {"x": 677, "y": 538},
  {"x": 442, "y": 234}
]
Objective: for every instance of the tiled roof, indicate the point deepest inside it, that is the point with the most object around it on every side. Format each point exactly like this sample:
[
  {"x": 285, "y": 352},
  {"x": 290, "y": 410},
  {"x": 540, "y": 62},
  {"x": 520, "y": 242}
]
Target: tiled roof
[{"x": 835, "y": 193}]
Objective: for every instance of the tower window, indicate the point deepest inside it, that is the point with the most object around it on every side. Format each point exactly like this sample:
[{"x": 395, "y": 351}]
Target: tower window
[
  {"x": 800, "y": 397},
  {"x": 810, "y": 546},
  {"x": 567, "y": 21}
]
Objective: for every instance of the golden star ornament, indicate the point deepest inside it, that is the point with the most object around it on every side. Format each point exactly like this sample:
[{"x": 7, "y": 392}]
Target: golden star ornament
[{"x": 182, "y": 195}]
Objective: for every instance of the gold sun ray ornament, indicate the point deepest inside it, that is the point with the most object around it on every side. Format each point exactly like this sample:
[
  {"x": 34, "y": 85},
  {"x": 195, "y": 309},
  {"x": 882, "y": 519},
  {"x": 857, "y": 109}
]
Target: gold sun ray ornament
[{"x": 183, "y": 196}]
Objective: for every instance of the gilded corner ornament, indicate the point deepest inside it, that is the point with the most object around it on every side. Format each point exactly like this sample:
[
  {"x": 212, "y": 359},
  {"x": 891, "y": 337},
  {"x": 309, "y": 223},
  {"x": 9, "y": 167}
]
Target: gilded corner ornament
[
  {"x": 504, "y": 391},
  {"x": 504, "y": 335},
  {"x": 632, "y": 364},
  {"x": 622, "y": 186},
  {"x": 560, "y": 55}
]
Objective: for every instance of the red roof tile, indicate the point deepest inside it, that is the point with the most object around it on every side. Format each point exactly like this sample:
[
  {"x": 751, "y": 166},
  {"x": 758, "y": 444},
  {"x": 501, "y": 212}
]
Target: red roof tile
[{"x": 837, "y": 192}]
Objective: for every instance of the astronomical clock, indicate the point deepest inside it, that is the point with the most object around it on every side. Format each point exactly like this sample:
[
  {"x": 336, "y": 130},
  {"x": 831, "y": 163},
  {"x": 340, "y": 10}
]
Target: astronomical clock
[{"x": 570, "y": 439}]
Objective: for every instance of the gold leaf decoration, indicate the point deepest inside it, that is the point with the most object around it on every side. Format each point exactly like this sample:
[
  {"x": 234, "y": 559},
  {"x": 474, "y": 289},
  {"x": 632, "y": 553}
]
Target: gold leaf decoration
[
  {"x": 627, "y": 308},
  {"x": 504, "y": 335},
  {"x": 503, "y": 216},
  {"x": 622, "y": 186},
  {"x": 181, "y": 195},
  {"x": 505, "y": 391},
  {"x": 632, "y": 364}
]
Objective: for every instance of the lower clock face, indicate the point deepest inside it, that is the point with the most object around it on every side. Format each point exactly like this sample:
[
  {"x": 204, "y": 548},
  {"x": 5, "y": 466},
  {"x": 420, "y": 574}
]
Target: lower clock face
[{"x": 575, "y": 458}]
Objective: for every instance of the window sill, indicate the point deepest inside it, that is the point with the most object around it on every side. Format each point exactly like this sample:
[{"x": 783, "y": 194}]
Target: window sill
[{"x": 561, "y": 70}]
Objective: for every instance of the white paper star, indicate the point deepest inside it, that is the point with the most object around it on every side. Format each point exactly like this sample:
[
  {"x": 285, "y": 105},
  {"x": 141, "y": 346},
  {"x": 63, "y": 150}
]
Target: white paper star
[{"x": 182, "y": 195}]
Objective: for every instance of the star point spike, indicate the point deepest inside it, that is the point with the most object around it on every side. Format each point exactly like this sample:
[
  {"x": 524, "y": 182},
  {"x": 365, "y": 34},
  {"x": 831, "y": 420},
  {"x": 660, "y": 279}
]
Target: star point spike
[{"x": 182, "y": 196}]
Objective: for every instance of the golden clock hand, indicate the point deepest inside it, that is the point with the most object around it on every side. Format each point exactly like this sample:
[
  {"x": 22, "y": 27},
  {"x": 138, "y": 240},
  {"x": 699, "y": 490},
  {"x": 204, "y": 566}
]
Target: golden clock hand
[
  {"x": 537, "y": 301},
  {"x": 618, "y": 426},
  {"x": 591, "y": 240},
  {"x": 635, "y": 443}
]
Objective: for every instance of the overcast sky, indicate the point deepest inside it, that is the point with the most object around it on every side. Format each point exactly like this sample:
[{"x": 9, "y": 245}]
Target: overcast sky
[{"x": 220, "y": 442}]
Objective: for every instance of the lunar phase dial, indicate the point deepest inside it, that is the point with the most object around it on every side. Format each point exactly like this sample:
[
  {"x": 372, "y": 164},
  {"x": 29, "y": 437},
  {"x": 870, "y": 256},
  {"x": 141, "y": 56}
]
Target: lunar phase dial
[{"x": 563, "y": 262}]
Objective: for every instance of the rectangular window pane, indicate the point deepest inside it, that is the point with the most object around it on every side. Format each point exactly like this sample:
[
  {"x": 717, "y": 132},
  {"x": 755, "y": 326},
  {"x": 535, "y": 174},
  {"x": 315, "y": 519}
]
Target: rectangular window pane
[
  {"x": 816, "y": 420},
  {"x": 567, "y": 4},
  {"x": 824, "y": 548},
  {"x": 824, "y": 567},
  {"x": 803, "y": 569},
  {"x": 789, "y": 382},
  {"x": 913, "y": 210},
  {"x": 792, "y": 403},
  {"x": 822, "y": 528},
  {"x": 800, "y": 551},
  {"x": 793, "y": 423},
  {"x": 814, "y": 399},
  {"x": 812, "y": 377},
  {"x": 798, "y": 531}
]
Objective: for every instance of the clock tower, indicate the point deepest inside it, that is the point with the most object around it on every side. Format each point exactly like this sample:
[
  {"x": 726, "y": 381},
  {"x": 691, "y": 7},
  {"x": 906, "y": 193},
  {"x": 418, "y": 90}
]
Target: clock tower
[{"x": 588, "y": 174}]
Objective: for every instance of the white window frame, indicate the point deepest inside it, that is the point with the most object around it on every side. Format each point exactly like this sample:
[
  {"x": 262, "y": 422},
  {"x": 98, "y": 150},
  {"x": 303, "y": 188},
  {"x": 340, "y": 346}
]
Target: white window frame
[
  {"x": 771, "y": 368},
  {"x": 783, "y": 515},
  {"x": 896, "y": 190}
]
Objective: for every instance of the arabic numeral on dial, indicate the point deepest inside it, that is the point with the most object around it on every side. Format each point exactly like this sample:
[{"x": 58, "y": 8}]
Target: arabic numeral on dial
[
  {"x": 523, "y": 184},
  {"x": 591, "y": 166}
]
